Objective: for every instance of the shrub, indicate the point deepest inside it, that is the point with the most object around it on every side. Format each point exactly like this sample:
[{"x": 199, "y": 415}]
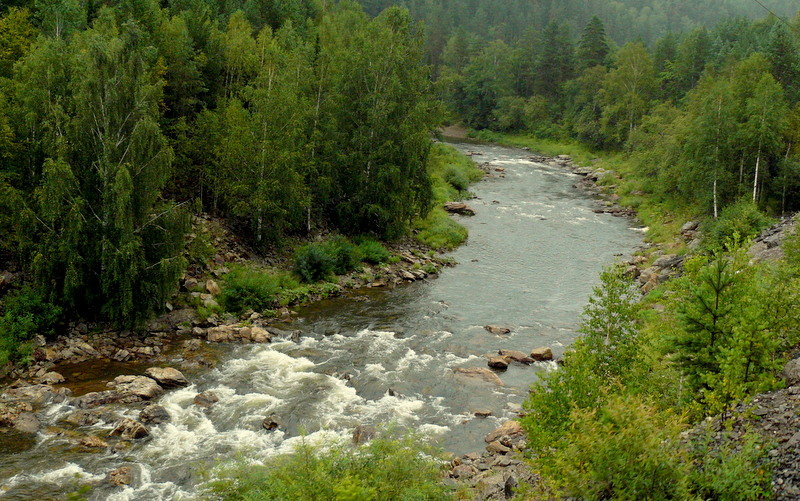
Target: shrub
[
  {"x": 247, "y": 288},
  {"x": 373, "y": 252},
  {"x": 346, "y": 257},
  {"x": 732, "y": 469},
  {"x": 313, "y": 263},
  {"x": 456, "y": 178},
  {"x": 439, "y": 231},
  {"x": 624, "y": 450},
  {"x": 740, "y": 221},
  {"x": 24, "y": 314},
  {"x": 386, "y": 469}
]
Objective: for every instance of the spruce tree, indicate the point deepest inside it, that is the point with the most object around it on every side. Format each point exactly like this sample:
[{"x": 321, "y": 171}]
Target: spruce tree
[{"x": 593, "y": 47}]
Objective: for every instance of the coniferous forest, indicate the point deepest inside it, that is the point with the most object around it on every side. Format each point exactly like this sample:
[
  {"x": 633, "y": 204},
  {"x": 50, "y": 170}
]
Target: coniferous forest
[{"x": 310, "y": 130}]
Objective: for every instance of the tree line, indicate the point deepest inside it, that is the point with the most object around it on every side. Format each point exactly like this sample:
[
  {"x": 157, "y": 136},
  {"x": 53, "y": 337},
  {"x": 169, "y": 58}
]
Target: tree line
[
  {"x": 709, "y": 116},
  {"x": 120, "y": 118}
]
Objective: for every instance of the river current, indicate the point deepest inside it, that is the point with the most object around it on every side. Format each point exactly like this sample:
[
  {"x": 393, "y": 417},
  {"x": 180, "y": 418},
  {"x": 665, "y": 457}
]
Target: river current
[{"x": 534, "y": 253}]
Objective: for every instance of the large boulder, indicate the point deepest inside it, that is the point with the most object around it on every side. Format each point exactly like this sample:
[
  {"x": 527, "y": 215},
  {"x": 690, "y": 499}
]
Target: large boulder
[
  {"x": 479, "y": 373},
  {"x": 136, "y": 387},
  {"x": 542, "y": 354},
  {"x": 130, "y": 429},
  {"x": 668, "y": 262},
  {"x": 167, "y": 376},
  {"x": 499, "y": 363},
  {"x": 97, "y": 398},
  {"x": 27, "y": 422},
  {"x": 516, "y": 356},
  {"x": 154, "y": 414},
  {"x": 507, "y": 429},
  {"x": 791, "y": 372}
]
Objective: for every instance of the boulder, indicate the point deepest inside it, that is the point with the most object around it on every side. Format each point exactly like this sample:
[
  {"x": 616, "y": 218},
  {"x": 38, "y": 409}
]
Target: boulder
[
  {"x": 690, "y": 226},
  {"x": 516, "y": 356},
  {"x": 507, "y": 429},
  {"x": 206, "y": 399},
  {"x": 137, "y": 387},
  {"x": 154, "y": 414},
  {"x": 668, "y": 262},
  {"x": 120, "y": 477},
  {"x": 499, "y": 363},
  {"x": 37, "y": 394},
  {"x": 167, "y": 376},
  {"x": 260, "y": 335},
  {"x": 495, "y": 447},
  {"x": 27, "y": 422},
  {"x": 213, "y": 288},
  {"x": 479, "y": 373},
  {"x": 497, "y": 329},
  {"x": 463, "y": 471},
  {"x": 93, "y": 442},
  {"x": 219, "y": 334},
  {"x": 82, "y": 417},
  {"x": 459, "y": 208},
  {"x": 51, "y": 378},
  {"x": 97, "y": 398},
  {"x": 542, "y": 354},
  {"x": 130, "y": 429},
  {"x": 270, "y": 424},
  {"x": 482, "y": 413},
  {"x": 791, "y": 372},
  {"x": 363, "y": 434}
]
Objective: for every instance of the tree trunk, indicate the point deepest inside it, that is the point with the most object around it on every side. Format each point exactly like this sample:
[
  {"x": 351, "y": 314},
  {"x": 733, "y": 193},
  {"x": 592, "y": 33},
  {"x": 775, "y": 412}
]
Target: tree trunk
[{"x": 715, "y": 196}]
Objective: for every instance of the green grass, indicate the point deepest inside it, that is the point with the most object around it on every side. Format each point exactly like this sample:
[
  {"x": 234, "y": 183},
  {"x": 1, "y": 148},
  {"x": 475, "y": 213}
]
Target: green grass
[
  {"x": 451, "y": 173},
  {"x": 391, "y": 469}
]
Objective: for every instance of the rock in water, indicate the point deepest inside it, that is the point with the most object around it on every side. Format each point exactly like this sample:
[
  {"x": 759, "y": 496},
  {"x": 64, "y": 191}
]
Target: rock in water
[
  {"x": 499, "y": 363},
  {"x": 363, "y": 434},
  {"x": 27, "y": 422},
  {"x": 542, "y": 354},
  {"x": 516, "y": 356},
  {"x": 130, "y": 429},
  {"x": 480, "y": 373},
  {"x": 270, "y": 424},
  {"x": 206, "y": 399},
  {"x": 497, "y": 329},
  {"x": 93, "y": 442},
  {"x": 137, "y": 386},
  {"x": 167, "y": 376},
  {"x": 508, "y": 429},
  {"x": 459, "y": 208},
  {"x": 120, "y": 477},
  {"x": 52, "y": 378},
  {"x": 154, "y": 414}
]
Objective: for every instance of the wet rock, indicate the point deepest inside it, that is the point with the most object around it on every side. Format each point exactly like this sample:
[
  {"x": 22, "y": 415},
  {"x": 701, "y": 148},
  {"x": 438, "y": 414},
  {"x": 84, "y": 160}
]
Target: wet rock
[
  {"x": 260, "y": 335},
  {"x": 497, "y": 329},
  {"x": 154, "y": 414},
  {"x": 167, "y": 376},
  {"x": 51, "y": 378},
  {"x": 479, "y": 373},
  {"x": 407, "y": 275},
  {"x": 542, "y": 354},
  {"x": 130, "y": 429},
  {"x": 507, "y": 429},
  {"x": 212, "y": 287},
  {"x": 270, "y": 424},
  {"x": 363, "y": 434},
  {"x": 499, "y": 363},
  {"x": 138, "y": 387},
  {"x": 459, "y": 208},
  {"x": 37, "y": 394},
  {"x": 482, "y": 413},
  {"x": 516, "y": 356},
  {"x": 93, "y": 442},
  {"x": 27, "y": 422},
  {"x": 120, "y": 477},
  {"x": 192, "y": 344},
  {"x": 206, "y": 399},
  {"x": 97, "y": 398}
]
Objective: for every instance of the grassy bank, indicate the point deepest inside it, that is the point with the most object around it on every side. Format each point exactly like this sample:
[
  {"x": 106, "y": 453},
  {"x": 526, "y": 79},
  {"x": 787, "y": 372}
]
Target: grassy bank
[{"x": 451, "y": 174}]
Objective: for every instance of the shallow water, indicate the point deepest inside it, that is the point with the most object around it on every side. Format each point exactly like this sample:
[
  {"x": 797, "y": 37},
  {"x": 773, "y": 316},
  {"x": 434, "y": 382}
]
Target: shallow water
[{"x": 533, "y": 256}]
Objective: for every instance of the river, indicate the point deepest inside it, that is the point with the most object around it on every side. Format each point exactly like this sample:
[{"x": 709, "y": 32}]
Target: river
[{"x": 533, "y": 256}]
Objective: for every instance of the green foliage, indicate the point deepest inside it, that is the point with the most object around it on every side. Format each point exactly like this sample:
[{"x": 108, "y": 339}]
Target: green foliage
[
  {"x": 386, "y": 468},
  {"x": 313, "y": 263},
  {"x": 373, "y": 252},
  {"x": 24, "y": 314},
  {"x": 732, "y": 469},
  {"x": 247, "y": 288},
  {"x": 738, "y": 222},
  {"x": 346, "y": 257}
]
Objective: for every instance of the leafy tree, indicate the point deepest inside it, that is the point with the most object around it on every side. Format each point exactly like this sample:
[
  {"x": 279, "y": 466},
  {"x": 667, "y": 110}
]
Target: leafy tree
[{"x": 17, "y": 33}]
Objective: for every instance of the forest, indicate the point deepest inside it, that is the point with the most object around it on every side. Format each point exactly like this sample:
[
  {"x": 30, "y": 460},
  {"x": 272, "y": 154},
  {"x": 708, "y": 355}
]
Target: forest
[{"x": 121, "y": 120}]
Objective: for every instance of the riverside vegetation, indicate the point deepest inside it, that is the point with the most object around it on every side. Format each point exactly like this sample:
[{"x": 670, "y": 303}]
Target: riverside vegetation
[{"x": 296, "y": 118}]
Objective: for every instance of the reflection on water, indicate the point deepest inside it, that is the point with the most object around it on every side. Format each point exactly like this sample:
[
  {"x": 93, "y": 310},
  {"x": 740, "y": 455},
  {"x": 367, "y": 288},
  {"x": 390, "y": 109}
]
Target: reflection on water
[{"x": 534, "y": 253}]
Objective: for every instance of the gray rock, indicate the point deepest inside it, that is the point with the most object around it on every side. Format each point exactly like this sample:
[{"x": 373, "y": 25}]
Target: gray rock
[
  {"x": 130, "y": 429},
  {"x": 791, "y": 372},
  {"x": 479, "y": 373},
  {"x": 498, "y": 363},
  {"x": 120, "y": 477},
  {"x": 542, "y": 354},
  {"x": 27, "y": 422},
  {"x": 167, "y": 376},
  {"x": 154, "y": 414},
  {"x": 51, "y": 378},
  {"x": 139, "y": 387},
  {"x": 206, "y": 399}
]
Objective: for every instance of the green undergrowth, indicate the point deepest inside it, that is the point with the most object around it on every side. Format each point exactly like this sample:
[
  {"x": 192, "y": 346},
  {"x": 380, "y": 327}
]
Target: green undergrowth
[
  {"x": 403, "y": 468},
  {"x": 451, "y": 174}
]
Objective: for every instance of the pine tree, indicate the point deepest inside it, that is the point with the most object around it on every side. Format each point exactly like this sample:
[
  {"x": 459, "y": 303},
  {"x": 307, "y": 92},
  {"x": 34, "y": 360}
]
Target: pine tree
[{"x": 593, "y": 47}]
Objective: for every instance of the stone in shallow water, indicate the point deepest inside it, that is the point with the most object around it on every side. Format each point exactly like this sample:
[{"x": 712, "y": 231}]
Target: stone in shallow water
[
  {"x": 542, "y": 354},
  {"x": 479, "y": 373},
  {"x": 167, "y": 376},
  {"x": 154, "y": 414}
]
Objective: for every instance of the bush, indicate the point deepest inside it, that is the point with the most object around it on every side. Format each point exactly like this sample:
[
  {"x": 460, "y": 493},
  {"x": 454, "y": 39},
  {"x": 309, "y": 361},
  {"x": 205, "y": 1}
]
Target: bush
[
  {"x": 24, "y": 314},
  {"x": 456, "y": 178},
  {"x": 733, "y": 469},
  {"x": 313, "y": 263},
  {"x": 625, "y": 450},
  {"x": 740, "y": 221},
  {"x": 373, "y": 252},
  {"x": 346, "y": 257},
  {"x": 247, "y": 288},
  {"x": 440, "y": 232},
  {"x": 386, "y": 469}
]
